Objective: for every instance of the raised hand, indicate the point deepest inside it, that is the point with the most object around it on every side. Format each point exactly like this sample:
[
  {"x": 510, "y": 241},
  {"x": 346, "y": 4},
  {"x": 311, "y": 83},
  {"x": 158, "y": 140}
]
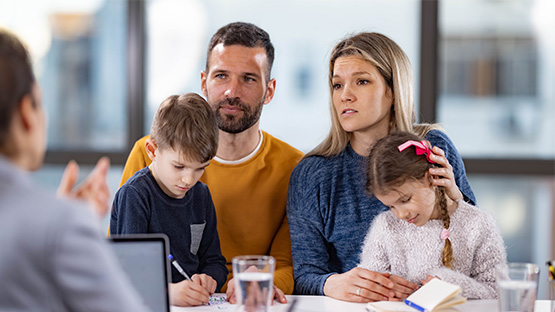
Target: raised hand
[{"x": 93, "y": 189}]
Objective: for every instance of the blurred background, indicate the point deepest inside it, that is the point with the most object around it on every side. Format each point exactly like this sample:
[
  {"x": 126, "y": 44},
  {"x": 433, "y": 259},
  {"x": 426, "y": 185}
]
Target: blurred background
[{"x": 484, "y": 69}]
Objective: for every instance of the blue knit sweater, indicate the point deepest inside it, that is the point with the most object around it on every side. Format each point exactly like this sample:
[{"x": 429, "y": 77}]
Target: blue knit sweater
[
  {"x": 330, "y": 212},
  {"x": 140, "y": 206}
]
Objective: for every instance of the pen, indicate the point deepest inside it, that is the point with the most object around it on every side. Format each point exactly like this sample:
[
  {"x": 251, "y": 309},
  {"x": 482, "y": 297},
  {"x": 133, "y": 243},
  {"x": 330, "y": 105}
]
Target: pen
[
  {"x": 292, "y": 304},
  {"x": 178, "y": 267},
  {"x": 414, "y": 305}
]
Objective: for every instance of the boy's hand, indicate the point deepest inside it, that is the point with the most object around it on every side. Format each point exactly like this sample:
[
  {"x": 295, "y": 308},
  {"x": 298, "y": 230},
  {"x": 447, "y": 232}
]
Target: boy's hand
[
  {"x": 206, "y": 281},
  {"x": 93, "y": 189},
  {"x": 187, "y": 293}
]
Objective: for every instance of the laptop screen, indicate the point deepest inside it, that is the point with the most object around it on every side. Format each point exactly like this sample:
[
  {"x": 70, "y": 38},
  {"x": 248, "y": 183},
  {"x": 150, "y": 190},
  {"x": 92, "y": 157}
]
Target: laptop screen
[{"x": 144, "y": 259}]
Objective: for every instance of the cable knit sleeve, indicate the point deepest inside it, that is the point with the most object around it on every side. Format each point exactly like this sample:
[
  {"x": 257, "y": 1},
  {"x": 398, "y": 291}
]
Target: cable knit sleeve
[
  {"x": 374, "y": 254},
  {"x": 308, "y": 244},
  {"x": 488, "y": 252}
]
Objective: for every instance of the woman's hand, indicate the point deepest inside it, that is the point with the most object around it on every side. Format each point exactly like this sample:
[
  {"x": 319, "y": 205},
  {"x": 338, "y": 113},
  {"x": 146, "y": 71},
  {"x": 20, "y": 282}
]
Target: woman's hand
[
  {"x": 188, "y": 293},
  {"x": 362, "y": 285},
  {"x": 443, "y": 176},
  {"x": 93, "y": 189},
  {"x": 403, "y": 288}
]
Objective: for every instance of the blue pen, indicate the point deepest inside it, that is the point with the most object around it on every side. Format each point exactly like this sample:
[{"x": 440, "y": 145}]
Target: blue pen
[
  {"x": 414, "y": 305},
  {"x": 178, "y": 267}
]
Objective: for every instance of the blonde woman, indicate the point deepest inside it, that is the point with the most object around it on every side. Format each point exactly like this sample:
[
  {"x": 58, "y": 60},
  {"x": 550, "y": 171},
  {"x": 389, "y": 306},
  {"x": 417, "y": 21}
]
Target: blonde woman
[{"x": 329, "y": 211}]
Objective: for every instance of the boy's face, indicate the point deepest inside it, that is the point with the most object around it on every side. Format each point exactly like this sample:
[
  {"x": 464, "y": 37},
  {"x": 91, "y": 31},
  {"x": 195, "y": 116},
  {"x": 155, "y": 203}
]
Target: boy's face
[{"x": 174, "y": 173}]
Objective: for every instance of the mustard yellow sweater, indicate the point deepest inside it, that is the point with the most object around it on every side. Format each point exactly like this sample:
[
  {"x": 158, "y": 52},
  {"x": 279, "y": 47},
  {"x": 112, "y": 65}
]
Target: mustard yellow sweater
[{"x": 250, "y": 200}]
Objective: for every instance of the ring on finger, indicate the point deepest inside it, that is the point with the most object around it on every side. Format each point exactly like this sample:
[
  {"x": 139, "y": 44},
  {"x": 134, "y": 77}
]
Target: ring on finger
[{"x": 358, "y": 291}]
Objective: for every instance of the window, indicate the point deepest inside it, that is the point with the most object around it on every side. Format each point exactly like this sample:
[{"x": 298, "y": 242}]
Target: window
[
  {"x": 496, "y": 75},
  {"x": 79, "y": 51},
  {"x": 178, "y": 33},
  {"x": 496, "y": 101}
]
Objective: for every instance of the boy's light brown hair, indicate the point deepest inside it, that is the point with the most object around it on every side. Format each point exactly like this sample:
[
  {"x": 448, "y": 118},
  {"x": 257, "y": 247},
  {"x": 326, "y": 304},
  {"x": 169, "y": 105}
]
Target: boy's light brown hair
[{"x": 186, "y": 124}]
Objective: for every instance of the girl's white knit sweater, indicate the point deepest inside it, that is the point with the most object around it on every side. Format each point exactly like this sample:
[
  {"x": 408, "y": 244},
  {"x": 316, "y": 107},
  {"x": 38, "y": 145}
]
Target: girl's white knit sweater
[{"x": 404, "y": 249}]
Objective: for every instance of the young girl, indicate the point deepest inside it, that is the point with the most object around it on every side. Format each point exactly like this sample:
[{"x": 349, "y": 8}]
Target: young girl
[{"x": 425, "y": 233}]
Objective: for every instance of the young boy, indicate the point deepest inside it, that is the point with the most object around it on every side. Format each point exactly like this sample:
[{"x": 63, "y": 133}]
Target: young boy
[{"x": 165, "y": 197}]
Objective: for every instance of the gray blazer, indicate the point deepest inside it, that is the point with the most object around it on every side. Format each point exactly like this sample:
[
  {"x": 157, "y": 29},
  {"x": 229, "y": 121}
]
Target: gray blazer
[{"x": 52, "y": 254}]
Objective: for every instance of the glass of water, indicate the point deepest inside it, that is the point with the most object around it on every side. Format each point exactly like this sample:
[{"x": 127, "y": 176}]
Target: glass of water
[
  {"x": 517, "y": 287},
  {"x": 254, "y": 282}
]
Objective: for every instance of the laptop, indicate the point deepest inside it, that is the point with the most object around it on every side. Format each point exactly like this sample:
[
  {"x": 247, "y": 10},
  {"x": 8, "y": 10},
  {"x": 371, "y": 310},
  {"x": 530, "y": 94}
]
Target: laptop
[{"x": 144, "y": 258}]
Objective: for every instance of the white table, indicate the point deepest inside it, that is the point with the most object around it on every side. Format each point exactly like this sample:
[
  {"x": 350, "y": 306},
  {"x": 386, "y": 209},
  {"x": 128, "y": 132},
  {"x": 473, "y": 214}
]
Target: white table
[{"x": 326, "y": 304}]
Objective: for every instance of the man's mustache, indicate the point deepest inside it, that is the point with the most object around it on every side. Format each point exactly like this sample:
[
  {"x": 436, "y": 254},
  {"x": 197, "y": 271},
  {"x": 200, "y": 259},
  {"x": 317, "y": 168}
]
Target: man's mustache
[{"x": 233, "y": 102}]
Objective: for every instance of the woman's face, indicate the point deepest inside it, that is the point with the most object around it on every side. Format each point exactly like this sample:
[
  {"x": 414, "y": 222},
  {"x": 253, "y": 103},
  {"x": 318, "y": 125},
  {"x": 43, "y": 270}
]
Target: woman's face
[{"x": 361, "y": 98}]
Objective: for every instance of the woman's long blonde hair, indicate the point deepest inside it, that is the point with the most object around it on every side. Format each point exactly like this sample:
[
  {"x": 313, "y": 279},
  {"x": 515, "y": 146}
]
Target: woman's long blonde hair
[{"x": 394, "y": 66}]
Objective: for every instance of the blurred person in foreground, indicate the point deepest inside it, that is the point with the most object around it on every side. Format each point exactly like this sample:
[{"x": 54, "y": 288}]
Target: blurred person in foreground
[{"x": 54, "y": 257}]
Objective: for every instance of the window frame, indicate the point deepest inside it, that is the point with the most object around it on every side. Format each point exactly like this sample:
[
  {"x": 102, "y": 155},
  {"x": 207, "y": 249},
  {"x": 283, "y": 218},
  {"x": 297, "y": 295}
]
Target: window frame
[
  {"x": 135, "y": 81},
  {"x": 428, "y": 95},
  {"x": 429, "y": 82}
]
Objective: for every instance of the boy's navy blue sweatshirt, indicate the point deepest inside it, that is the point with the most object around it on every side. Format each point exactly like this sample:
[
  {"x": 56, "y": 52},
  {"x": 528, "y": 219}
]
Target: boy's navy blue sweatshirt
[{"x": 140, "y": 206}]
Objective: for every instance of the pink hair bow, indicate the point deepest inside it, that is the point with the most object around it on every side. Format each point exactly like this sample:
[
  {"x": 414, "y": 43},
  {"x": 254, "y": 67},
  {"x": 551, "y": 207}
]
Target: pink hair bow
[
  {"x": 445, "y": 234},
  {"x": 421, "y": 148}
]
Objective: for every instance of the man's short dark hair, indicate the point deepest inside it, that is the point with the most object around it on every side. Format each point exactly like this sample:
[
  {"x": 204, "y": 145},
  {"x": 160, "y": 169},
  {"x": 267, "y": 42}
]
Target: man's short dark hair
[
  {"x": 245, "y": 34},
  {"x": 16, "y": 79}
]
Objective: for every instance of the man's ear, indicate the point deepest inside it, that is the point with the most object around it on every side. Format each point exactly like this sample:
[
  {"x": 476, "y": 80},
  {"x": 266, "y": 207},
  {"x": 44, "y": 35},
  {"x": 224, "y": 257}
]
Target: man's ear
[
  {"x": 203, "y": 77},
  {"x": 270, "y": 91},
  {"x": 151, "y": 149}
]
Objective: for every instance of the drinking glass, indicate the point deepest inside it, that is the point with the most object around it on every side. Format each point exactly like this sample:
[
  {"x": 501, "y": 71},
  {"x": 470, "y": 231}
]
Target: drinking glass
[
  {"x": 254, "y": 281},
  {"x": 517, "y": 286}
]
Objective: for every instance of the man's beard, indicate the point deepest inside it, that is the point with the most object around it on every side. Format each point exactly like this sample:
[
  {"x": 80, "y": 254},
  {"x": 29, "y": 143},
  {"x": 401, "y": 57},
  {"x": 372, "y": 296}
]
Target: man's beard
[{"x": 235, "y": 124}]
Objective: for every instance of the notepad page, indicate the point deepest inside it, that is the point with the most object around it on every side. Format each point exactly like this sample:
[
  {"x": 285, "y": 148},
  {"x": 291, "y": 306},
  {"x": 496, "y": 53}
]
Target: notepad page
[{"x": 434, "y": 293}]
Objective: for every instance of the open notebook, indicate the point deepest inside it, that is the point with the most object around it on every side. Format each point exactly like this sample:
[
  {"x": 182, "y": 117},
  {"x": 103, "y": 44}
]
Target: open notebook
[{"x": 435, "y": 295}]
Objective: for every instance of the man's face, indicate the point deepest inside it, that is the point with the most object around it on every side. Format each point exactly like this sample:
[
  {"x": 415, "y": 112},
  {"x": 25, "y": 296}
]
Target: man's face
[{"x": 235, "y": 86}]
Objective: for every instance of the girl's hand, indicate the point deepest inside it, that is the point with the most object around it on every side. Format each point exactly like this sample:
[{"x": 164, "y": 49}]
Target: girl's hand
[
  {"x": 205, "y": 281},
  {"x": 428, "y": 278},
  {"x": 187, "y": 293},
  {"x": 444, "y": 176},
  {"x": 362, "y": 285}
]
